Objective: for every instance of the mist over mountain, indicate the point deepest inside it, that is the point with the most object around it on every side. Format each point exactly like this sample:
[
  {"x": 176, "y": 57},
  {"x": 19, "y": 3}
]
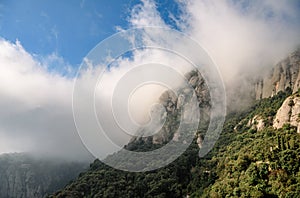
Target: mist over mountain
[
  {"x": 23, "y": 175},
  {"x": 244, "y": 38},
  {"x": 260, "y": 145},
  {"x": 252, "y": 46},
  {"x": 284, "y": 75},
  {"x": 257, "y": 154}
]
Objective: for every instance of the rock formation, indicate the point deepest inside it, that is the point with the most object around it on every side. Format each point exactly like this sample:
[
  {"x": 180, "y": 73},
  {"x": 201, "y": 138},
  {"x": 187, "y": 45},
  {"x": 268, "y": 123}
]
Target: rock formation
[
  {"x": 289, "y": 113},
  {"x": 284, "y": 75},
  {"x": 23, "y": 176},
  {"x": 172, "y": 104},
  {"x": 256, "y": 123}
]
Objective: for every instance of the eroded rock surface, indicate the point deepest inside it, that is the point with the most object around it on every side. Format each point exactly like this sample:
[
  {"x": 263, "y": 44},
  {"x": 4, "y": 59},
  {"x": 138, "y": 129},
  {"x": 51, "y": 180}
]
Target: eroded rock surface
[
  {"x": 289, "y": 113},
  {"x": 284, "y": 75}
]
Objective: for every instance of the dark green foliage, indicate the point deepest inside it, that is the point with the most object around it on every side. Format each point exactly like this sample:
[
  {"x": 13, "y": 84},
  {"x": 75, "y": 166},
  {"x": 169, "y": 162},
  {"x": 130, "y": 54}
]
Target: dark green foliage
[
  {"x": 266, "y": 108},
  {"x": 260, "y": 165}
]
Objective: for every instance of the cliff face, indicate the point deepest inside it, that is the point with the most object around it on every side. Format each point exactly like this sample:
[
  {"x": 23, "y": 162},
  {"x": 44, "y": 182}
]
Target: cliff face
[
  {"x": 284, "y": 75},
  {"x": 22, "y": 176},
  {"x": 172, "y": 104},
  {"x": 289, "y": 113}
]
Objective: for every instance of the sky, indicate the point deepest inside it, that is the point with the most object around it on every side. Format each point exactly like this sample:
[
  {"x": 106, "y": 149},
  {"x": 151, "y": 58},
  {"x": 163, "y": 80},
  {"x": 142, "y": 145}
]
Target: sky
[
  {"x": 68, "y": 29},
  {"x": 43, "y": 43}
]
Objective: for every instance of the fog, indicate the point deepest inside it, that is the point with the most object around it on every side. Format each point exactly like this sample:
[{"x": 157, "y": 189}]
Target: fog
[{"x": 244, "y": 38}]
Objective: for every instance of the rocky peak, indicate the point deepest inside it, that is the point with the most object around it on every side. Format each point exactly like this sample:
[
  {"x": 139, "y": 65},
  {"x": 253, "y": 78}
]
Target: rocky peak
[
  {"x": 172, "y": 104},
  {"x": 284, "y": 75}
]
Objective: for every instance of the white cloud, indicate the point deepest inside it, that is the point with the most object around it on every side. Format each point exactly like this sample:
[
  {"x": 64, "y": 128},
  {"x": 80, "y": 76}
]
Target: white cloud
[
  {"x": 244, "y": 36},
  {"x": 241, "y": 36},
  {"x": 36, "y": 105},
  {"x": 36, "y": 112},
  {"x": 146, "y": 14}
]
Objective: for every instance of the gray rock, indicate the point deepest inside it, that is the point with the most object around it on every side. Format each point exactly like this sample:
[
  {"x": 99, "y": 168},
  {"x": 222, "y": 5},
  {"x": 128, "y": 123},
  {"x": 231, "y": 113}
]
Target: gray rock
[
  {"x": 288, "y": 113},
  {"x": 23, "y": 176},
  {"x": 256, "y": 123},
  {"x": 284, "y": 75},
  {"x": 173, "y": 105},
  {"x": 194, "y": 81}
]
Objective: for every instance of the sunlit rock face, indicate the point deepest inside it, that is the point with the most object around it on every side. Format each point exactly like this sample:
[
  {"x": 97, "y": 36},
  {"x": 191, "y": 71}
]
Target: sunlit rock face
[
  {"x": 256, "y": 123},
  {"x": 289, "y": 113},
  {"x": 284, "y": 75}
]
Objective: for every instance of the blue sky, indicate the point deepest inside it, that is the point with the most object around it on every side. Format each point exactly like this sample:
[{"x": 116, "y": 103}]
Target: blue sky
[{"x": 70, "y": 29}]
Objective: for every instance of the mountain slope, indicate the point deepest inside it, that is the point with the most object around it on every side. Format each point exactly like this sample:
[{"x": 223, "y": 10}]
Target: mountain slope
[
  {"x": 24, "y": 176},
  {"x": 264, "y": 163},
  {"x": 245, "y": 162}
]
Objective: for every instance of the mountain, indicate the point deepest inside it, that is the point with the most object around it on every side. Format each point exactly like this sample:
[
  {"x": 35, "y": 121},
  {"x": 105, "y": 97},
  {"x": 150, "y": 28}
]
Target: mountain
[
  {"x": 25, "y": 176},
  {"x": 286, "y": 74},
  {"x": 245, "y": 162},
  {"x": 172, "y": 104},
  {"x": 257, "y": 154},
  {"x": 260, "y": 162},
  {"x": 177, "y": 128}
]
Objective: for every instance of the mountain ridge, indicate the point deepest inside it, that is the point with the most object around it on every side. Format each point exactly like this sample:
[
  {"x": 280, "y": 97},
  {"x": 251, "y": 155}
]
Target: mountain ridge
[
  {"x": 250, "y": 159},
  {"x": 283, "y": 75}
]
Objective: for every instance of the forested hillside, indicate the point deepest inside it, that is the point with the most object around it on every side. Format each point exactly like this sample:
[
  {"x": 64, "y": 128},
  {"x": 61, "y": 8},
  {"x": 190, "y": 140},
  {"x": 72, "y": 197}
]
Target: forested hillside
[{"x": 245, "y": 162}]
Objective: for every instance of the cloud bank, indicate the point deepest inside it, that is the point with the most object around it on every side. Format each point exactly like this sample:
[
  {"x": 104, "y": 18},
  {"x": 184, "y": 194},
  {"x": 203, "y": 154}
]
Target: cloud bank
[
  {"x": 242, "y": 37},
  {"x": 36, "y": 113}
]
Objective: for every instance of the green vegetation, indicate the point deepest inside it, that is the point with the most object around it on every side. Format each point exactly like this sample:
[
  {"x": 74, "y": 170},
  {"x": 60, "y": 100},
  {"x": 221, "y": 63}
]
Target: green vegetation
[
  {"x": 258, "y": 165},
  {"x": 243, "y": 163}
]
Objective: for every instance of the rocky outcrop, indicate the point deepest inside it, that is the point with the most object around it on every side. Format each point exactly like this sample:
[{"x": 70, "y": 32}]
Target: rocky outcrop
[
  {"x": 289, "y": 113},
  {"x": 172, "y": 104},
  {"x": 256, "y": 123},
  {"x": 23, "y": 176},
  {"x": 284, "y": 75}
]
